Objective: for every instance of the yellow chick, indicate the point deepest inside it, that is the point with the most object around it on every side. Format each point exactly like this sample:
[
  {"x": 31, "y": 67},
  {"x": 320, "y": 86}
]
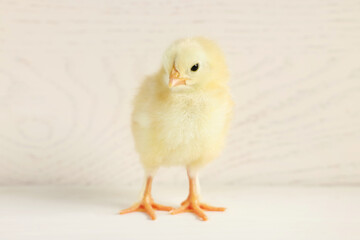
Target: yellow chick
[{"x": 181, "y": 117}]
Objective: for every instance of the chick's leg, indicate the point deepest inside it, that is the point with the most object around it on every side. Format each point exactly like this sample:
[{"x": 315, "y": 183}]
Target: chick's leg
[
  {"x": 147, "y": 203},
  {"x": 192, "y": 203}
]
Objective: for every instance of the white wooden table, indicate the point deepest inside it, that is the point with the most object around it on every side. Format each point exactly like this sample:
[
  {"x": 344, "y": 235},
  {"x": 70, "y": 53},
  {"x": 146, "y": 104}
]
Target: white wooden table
[{"x": 253, "y": 213}]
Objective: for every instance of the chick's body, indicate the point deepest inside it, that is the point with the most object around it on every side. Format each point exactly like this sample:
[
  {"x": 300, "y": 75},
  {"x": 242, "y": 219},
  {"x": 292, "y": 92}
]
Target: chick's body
[
  {"x": 182, "y": 128},
  {"x": 181, "y": 117}
]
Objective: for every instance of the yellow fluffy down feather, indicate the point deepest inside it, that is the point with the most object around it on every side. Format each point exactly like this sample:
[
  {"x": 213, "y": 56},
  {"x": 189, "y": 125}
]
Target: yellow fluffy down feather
[
  {"x": 185, "y": 124},
  {"x": 181, "y": 117}
]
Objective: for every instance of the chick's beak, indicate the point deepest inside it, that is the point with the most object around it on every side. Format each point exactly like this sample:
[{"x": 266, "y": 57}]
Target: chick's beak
[{"x": 175, "y": 79}]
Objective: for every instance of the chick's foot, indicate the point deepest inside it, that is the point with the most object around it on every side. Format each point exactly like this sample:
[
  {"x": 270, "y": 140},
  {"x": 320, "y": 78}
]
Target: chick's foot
[
  {"x": 192, "y": 204},
  {"x": 147, "y": 205}
]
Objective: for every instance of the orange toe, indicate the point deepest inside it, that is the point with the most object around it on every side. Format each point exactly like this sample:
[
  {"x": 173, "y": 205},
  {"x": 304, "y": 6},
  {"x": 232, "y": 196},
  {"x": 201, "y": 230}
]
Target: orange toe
[
  {"x": 161, "y": 207},
  {"x": 133, "y": 208},
  {"x": 211, "y": 208}
]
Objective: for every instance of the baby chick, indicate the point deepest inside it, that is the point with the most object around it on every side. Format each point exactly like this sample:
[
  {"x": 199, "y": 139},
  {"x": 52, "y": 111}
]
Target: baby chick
[{"x": 181, "y": 117}]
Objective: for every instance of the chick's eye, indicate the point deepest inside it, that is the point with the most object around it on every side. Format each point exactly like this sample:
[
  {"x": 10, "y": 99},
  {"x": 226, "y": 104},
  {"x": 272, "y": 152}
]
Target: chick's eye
[{"x": 195, "y": 67}]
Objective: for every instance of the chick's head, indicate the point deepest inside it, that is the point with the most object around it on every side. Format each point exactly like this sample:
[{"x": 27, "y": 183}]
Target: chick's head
[{"x": 194, "y": 63}]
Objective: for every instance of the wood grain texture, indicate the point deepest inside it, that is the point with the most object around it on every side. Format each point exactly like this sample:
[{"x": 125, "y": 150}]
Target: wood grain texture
[{"x": 69, "y": 70}]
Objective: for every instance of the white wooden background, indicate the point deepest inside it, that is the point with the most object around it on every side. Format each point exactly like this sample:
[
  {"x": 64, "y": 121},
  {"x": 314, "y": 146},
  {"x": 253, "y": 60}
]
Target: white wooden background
[{"x": 69, "y": 70}]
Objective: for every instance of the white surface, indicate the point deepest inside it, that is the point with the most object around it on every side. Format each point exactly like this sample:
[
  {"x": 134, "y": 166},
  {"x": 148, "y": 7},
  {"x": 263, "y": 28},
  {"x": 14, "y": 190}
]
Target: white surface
[
  {"x": 69, "y": 70},
  {"x": 253, "y": 213}
]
